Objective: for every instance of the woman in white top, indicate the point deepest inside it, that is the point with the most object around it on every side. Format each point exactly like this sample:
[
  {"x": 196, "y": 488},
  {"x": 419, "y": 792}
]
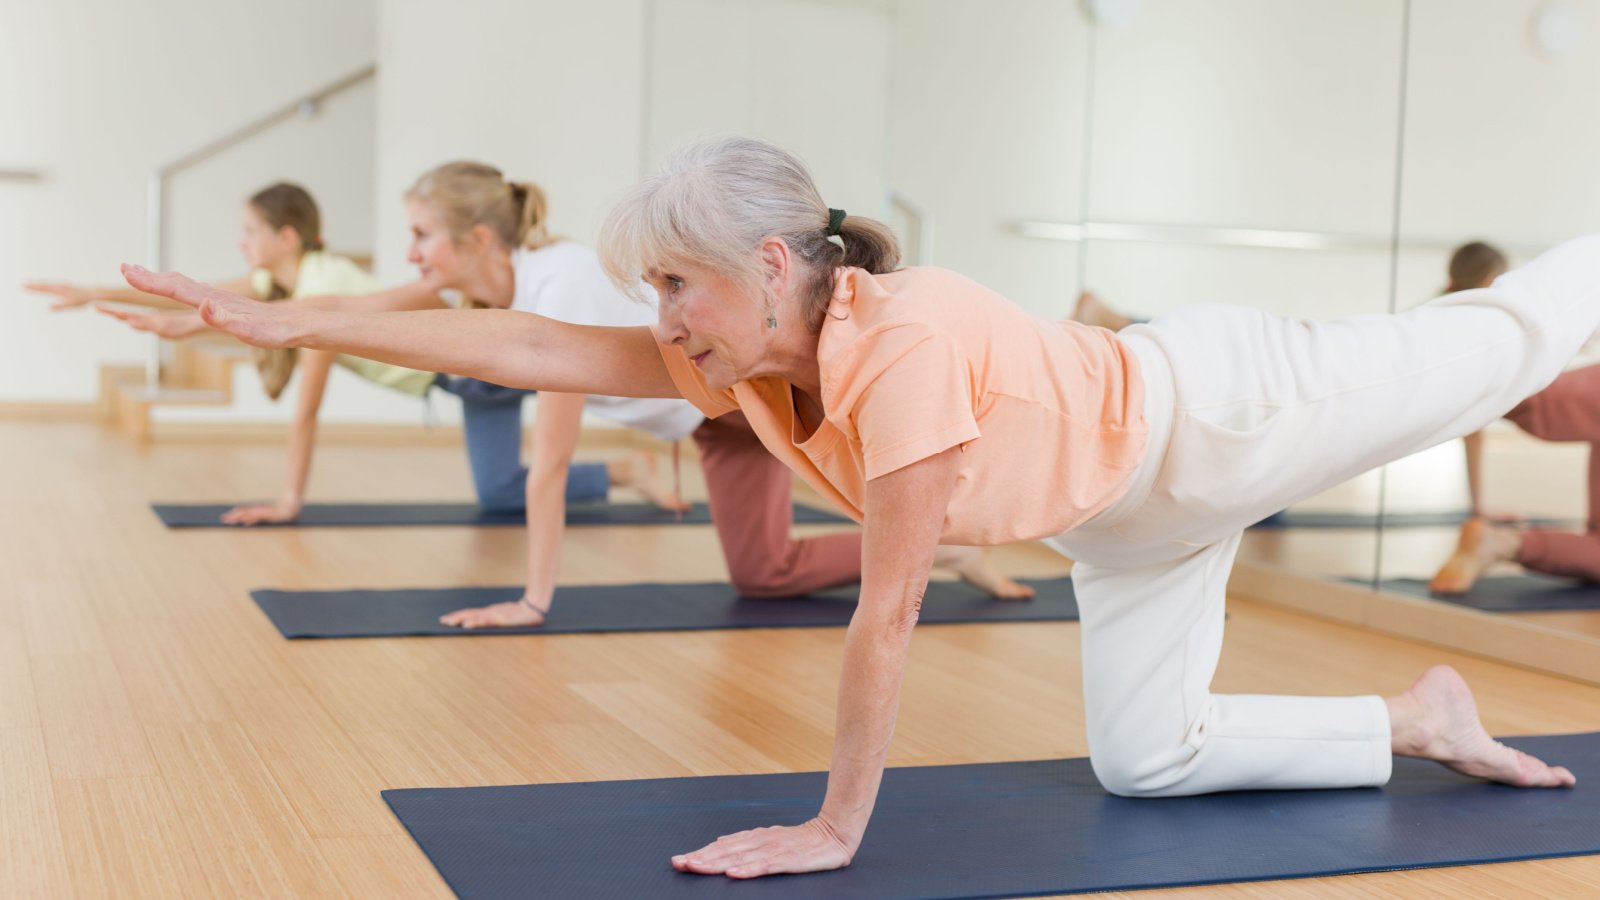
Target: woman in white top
[
  {"x": 281, "y": 239},
  {"x": 488, "y": 238}
]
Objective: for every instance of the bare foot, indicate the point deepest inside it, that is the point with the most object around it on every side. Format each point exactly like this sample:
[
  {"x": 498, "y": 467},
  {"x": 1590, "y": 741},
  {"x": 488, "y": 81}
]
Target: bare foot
[
  {"x": 1092, "y": 311},
  {"x": 510, "y": 614},
  {"x": 1481, "y": 545},
  {"x": 638, "y": 471},
  {"x": 972, "y": 564},
  {"x": 1437, "y": 719}
]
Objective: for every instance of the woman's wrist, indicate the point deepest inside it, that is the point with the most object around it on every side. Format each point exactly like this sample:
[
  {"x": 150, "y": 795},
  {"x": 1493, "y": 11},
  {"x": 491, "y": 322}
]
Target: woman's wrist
[{"x": 845, "y": 828}]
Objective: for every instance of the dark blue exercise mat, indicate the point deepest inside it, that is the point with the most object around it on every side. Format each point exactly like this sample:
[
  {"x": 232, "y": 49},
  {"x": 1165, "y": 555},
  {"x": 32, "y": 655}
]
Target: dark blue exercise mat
[
  {"x": 1511, "y": 593},
  {"x": 994, "y": 830},
  {"x": 1293, "y": 519},
  {"x": 706, "y": 606},
  {"x": 321, "y": 515}
]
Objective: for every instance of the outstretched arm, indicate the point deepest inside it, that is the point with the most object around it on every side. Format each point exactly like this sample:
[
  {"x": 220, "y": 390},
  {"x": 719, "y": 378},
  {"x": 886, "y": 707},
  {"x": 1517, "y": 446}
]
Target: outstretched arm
[
  {"x": 904, "y": 514},
  {"x": 69, "y": 296},
  {"x": 515, "y": 349},
  {"x": 313, "y": 377},
  {"x": 557, "y": 425},
  {"x": 174, "y": 325},
  {"x": 415, "y": 295}
]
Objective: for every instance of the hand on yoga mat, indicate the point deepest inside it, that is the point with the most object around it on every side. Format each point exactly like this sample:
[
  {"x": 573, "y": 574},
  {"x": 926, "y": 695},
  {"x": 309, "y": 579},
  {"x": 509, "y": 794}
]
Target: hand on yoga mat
[
  {"x": 784, "y": 849},
  {"x": 510, "y": 614},
  {"x": 267, "y": 325},
  {"x": 257, "y": 513}
]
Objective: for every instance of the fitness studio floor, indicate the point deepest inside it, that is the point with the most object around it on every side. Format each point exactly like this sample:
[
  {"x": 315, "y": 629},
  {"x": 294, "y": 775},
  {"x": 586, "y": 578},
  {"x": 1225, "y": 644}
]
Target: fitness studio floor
[{"x": 159, "y": 739}]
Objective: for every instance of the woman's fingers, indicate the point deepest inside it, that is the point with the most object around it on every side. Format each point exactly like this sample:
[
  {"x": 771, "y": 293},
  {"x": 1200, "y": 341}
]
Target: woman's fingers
[
  {"x": 499, "y": 615},
  {"x": 138, "y": 321},
  {"x": 767, "y": 851},
  {"x": 260, "y": 324},
  {"x": 67, "y": 296},
  {"x": 168, "y": 284},
  {"x": 255, "y": 514}
]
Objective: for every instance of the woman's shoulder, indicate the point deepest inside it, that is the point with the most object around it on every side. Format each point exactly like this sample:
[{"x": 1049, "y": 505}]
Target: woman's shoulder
[
  {"x": 323, "y": 273},
  {"x": 923, "y": 296},
  {"x": 558, "y": 256}
]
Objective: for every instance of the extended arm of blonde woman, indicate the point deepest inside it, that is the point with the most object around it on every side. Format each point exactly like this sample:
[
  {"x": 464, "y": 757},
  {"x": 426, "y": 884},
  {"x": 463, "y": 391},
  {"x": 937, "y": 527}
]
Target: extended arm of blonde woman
[
  {"x": 71, "y": 296},
  {"x": 515, "y": 349},
  {"x": 173, "y": 325},
  {"x": 411, "y": 296},
  {"x": 557, "y": 424}
]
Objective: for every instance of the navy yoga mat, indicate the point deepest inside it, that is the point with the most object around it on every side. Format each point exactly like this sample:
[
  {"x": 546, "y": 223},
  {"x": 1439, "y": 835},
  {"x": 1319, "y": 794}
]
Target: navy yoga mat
[
  {"x": 994, "y": 830},
  {"x": 319, "y": 515},
  {"x": 1293, "y": 519},
  {"x": 634, "y": 607},
  {"x": 1512, "y": 593}
]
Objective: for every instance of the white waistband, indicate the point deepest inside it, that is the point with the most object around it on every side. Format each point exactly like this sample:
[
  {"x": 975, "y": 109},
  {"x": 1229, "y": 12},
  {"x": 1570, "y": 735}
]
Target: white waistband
[{"x": 1159, "y": 403}]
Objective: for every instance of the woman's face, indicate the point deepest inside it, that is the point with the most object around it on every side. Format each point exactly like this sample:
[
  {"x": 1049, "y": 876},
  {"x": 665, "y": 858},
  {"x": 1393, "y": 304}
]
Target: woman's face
[
  {"x": 262, "y": 245},
  {"x": 433, "y": 250},
  {"x": 717, "y": 323}
]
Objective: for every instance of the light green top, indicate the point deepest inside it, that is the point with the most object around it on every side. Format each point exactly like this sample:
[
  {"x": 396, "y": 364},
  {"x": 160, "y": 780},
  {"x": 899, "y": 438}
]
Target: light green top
[{"x": 324, "y": 274}]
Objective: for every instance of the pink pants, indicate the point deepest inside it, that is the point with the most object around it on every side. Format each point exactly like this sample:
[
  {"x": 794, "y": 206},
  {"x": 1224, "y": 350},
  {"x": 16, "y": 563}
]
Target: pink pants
[
  {"x": 1567, "y": 410},
  {"x": 751, "y": 506}
]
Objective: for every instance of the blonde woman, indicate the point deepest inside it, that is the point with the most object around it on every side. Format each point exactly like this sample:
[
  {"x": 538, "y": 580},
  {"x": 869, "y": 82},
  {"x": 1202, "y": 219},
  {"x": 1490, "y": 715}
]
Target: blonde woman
[
  {"x": 281, "y": 240},
  {"x": 932, "y": 408}
]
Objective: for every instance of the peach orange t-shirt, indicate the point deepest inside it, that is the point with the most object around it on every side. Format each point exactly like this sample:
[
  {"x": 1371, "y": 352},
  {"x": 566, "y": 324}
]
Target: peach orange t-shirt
[{"x": 1049, "y": 415}]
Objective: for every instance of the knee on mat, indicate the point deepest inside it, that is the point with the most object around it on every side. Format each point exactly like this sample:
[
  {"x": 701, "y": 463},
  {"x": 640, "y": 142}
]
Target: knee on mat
[
  {"x": 760, "y": 580},
  {"x": 763, "y": 584},
  {"x": 1135, "y": 772}
]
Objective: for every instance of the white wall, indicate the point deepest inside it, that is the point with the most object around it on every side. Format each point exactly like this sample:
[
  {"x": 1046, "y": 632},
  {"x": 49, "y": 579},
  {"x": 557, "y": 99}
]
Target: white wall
[
  {"x": 1501, "y": 142},
  {"x": 821, "y": 91},
  {"x": 986, "y": 128},
  {"x": 546, "y": 91},
  {"x": 98, "y": 93}
]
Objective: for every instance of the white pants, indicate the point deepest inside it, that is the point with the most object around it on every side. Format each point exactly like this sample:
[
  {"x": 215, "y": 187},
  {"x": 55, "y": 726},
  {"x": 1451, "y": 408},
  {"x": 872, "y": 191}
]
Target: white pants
[{"x": 1249, "y": 413}]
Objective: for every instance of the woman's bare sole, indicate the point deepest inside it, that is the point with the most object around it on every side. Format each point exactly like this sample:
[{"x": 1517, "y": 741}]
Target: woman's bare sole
[
  {"x": 972, "y": 564},
  {"x": 1437, "y": 719},
  {"x": 1481, "y": 545},
  {"x": 637, "y": 471}
]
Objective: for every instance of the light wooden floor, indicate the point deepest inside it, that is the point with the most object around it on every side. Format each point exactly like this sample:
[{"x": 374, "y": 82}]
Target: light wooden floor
[{"x": 158, "y": 739}]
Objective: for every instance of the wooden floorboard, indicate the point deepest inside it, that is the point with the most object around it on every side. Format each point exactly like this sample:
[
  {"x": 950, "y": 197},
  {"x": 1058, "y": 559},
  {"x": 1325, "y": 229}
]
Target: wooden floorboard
[{"x": 158, "y": 739}]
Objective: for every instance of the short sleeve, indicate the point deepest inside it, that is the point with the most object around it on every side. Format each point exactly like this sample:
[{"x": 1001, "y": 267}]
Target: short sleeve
[
  {"x": 691, "y": 382},
  {"x": 905, "y": 393}
]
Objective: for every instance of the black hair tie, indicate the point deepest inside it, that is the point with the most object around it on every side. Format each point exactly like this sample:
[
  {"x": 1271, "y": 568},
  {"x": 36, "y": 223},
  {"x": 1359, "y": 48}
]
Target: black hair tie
[{"x": 835, "y": 221}]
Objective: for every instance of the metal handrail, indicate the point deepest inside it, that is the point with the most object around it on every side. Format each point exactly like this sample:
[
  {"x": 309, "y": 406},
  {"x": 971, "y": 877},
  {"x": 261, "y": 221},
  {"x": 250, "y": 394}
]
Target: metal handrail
[{"x": 156, "y": 202}]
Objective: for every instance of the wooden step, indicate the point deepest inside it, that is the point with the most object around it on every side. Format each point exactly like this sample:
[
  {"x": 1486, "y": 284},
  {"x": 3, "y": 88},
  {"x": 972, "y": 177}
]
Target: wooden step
[{"x": 134, "y": 402}]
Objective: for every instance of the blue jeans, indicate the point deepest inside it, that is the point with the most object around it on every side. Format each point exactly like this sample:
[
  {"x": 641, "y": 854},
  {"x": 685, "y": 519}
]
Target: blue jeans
[{"x": 492, "y": 416}]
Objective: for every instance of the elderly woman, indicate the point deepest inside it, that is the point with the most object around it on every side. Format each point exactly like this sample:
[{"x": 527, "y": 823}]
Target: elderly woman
[{"x": 934, "y": 409}]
